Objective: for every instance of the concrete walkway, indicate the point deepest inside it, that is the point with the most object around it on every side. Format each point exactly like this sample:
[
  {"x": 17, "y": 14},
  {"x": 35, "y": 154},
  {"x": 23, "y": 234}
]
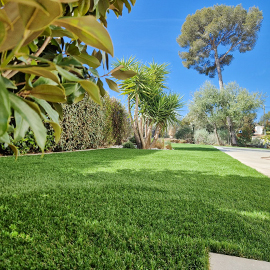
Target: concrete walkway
[
  {"x": 225, "y": 262},
  {"x": 258, "y": 159}
]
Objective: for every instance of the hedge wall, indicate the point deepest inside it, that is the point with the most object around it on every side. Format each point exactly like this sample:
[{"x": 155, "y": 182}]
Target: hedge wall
[
  {"x": 85, "y": 125},
  {"x": 82, "y": 126}
]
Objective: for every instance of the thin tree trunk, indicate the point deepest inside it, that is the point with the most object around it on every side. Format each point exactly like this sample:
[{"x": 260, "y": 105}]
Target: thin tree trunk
[
  {"x": 216, "y": 134},
  {"x": 148, "y": 137},
  {"x": 141, "y": 144},
  {"x": 157, "y": 132},
  {"x": 136, "y": 135},
  {"x": 233, "y": 140},
  {"x": 140, "y": 129},
  {"x": 220, "y": 80}
]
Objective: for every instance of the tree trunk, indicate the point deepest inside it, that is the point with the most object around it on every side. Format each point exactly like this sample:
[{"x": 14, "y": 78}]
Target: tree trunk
[
  {"x": 148, "y": 137},
  {"x": 216, "y": 134},
  {"x": 140, "y": 131},
  {"x": 220, "y": 80},
  {"x": 233, "y": 140},
  {"x": 133, "y": 122},
  {"x": 158, "y": 129}
]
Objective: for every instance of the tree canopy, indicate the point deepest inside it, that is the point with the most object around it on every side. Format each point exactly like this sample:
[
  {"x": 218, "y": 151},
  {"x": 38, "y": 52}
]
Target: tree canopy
[
  {"x": 213, "y": 33},
  {"x": 212, "y": 107},
  {"x": 45, "y": 61}
]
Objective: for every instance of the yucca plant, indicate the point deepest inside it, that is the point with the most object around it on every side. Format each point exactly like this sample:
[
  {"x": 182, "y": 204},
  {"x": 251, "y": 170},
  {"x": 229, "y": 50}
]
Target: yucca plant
[{"x": 150, "y": 107}]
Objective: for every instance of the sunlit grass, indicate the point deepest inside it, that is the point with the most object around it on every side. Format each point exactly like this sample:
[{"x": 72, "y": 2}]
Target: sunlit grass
[{"x": 131, "y": 209}]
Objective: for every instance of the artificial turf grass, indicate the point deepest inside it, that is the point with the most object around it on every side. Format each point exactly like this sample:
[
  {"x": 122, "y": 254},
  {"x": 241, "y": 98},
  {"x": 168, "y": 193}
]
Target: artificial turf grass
[{"x": 131, "y": 209}]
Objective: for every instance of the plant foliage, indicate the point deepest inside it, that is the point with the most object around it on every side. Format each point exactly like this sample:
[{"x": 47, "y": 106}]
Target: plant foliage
[
  {"x": 150, "y": 107},
  {"x": 45, "y": 61}
]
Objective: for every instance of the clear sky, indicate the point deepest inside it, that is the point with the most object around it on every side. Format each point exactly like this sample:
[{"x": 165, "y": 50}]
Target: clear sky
[{"x": 150, "y": 31}]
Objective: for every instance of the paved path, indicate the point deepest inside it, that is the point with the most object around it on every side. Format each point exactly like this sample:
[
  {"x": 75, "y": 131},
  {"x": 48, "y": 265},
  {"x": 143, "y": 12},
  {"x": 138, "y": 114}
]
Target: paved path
[
  {"x": 225, "y": 262},
  {"x": 259, "y": 159}
]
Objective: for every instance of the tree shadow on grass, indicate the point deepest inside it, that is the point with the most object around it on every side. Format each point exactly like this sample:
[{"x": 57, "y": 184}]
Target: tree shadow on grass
[{"x": 141, "y": 218}]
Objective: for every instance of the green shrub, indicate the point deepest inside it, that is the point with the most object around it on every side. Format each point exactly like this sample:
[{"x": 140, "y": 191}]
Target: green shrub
[
  {"x": 82, "y": 126},
  {"x": 132, "y": 139},
  {"x": 184, "y": 132},
  {"x": 28, "y": 143},
  {"x": 129, "y": 144},
  {"x": 117, "y": 125}
]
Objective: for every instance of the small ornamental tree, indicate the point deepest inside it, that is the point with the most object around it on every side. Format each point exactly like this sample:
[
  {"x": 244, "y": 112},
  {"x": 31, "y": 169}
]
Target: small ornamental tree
[
  {"x": 212, "y": 34},
  {"x": 45, "y": 61},
  {"x": 150, "y": 107}
]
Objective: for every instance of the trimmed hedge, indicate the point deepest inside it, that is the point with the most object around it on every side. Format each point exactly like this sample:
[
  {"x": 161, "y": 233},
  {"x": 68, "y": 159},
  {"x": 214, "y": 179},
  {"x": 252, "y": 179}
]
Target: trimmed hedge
[
  {"x": 82, "y": 126},
  {"x": 85, "y": 125}
]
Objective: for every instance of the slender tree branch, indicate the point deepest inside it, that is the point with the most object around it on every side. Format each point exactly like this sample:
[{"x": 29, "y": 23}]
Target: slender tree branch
[
  {"x": 229, "y": 50},
  {"x": 9, "y": 74}
]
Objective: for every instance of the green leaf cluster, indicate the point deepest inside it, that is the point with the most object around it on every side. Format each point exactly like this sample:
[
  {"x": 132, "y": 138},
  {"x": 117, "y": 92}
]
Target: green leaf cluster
[
  {"x": 45, "y": 61},
  {"x": 210, "y": 107},
  {"x": 150, "y": 106}
]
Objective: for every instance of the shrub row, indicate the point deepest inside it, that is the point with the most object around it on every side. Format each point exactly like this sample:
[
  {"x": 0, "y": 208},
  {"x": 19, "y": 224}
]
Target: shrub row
[{"x": 84, "y": 125}]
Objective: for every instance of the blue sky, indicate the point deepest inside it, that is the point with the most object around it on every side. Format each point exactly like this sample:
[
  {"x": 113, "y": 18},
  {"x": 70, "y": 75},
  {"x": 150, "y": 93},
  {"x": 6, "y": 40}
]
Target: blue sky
[{"x": 150, "y": 31}]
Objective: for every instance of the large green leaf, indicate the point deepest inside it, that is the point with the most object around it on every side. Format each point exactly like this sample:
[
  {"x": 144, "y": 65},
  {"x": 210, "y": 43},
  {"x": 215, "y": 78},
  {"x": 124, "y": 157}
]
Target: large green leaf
[
  {"x": 5, "y": 138},
  {"x": 123, "y": 75},
  {"x": 4, "y": 17},
  {"x": 33, "y": 3},
  {"x": 92, "y": 89},
  {"x": 57, "y": 130},
  {"x": 5, "y": 110},
  {"x": 48, "y": 92},
  {"x": 31, "y": 117},
  {"x": 9, "y": 84},
  {"x": 21, "y": 127},
  {"x": 53, "y": 114},
  {"x": 60, "y": 32},
  {"x": 2, "y": 32},
  {"x": 74, "y": 92},
  {"x": 87, "y": 59},
  {"x": 58, "y": 107},
  {"x": 37, "y": 19},
  {"x": 101, "y": 88},
  {"x": 69, "y": 1},
  {"x": 42, "y": 80},
  {"x": 67, "y": 75},
  {"x": 15, "y": 31},
  {"x": 89, "y": 31},
  {"x": 112, "y": 85},
  {"x": 36, "y": 70}
]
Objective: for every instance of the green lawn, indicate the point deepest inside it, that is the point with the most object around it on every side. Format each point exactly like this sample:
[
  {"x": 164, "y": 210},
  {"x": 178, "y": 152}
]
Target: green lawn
[{"x": 131, "y": 209}]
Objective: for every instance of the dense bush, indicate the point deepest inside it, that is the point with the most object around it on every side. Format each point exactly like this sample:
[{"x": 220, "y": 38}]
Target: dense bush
[
  {"x": 84, "y": 125},
  {"x": 224, "y": 136},
  {"x": 257, "y": 142},
  {"x": 184, "y": 133},
  {"x": 202, "y": 136},
  {"x": 129, "y": 144},
  {"x": 117, "y": 125},
  {"x": 28, "y": 143}
]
